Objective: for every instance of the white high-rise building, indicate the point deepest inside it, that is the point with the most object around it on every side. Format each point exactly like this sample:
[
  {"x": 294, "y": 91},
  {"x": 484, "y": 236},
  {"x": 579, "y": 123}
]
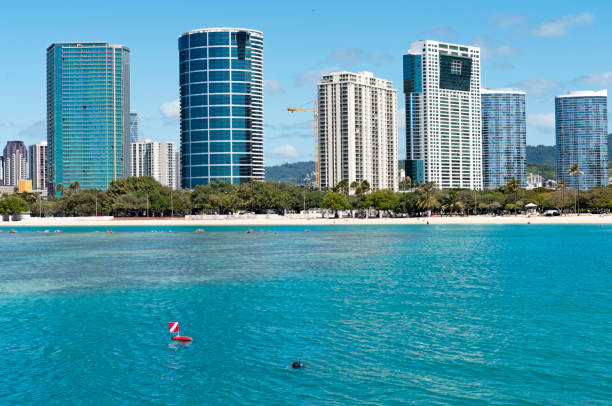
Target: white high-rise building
[
  {"x": 443, "y": 114},
  {"x": 357, "y": 133},
  {"x": 156, "y": 159},
  {"x": 38, "y": 165}
]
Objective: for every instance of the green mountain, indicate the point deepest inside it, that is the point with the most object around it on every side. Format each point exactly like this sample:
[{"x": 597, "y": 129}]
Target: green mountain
[
  {"x": 540, "y": 159},
  {"x": 296, "y": 172},
  {"x": 541, "y": 154}
]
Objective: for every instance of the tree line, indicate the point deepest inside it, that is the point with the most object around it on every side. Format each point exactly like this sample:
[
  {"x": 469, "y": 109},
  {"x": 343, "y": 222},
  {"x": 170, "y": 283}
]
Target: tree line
[{"x": 144, "y": 196}]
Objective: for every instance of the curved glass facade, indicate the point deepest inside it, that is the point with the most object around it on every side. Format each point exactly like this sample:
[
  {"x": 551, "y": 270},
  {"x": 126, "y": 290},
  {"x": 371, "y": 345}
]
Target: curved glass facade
[
  {"x": 581, "y": 126},
  {"x": 221, "y": 87},
  {"x": 504, "y": 138}
]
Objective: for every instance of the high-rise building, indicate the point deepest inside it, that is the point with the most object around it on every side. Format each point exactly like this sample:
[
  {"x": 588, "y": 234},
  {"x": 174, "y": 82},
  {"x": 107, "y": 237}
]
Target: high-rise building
[
  {"x": 221, "y": 87},
  {"x": 581, "y": 127},
  {"x": 357, "y": 130},
  {"x": 38, "y": 165},
  {"x": 15, "y": 162},
  {"x": 88, "y": 107},
  {"x": 134, "y": 127},
  {"x": 443, "y": 123},
  {"x": 156, "y": 159},
  {"x": 504, "y": 137}
]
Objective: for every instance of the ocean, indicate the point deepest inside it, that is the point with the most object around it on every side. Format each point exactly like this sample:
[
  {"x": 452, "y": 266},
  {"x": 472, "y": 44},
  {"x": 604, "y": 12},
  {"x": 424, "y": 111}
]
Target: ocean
[{"x": 429, "y": 315}]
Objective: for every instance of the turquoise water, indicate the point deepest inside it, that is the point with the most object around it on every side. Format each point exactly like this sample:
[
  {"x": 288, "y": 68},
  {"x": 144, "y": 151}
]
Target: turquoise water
[{"x": 381, "y": 315}]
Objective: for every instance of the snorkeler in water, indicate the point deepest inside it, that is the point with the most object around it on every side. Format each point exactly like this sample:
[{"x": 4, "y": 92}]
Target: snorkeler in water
[{"x": 298, "y": 364}]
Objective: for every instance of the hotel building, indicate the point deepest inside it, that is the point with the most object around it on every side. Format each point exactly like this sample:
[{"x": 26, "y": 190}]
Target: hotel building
[
  {"x": 221, "y": 88},
  {"x": 357, "y": 130},
  {"x": 88, "y": 107},
  {"x": 443, "y": 114},
  {"x": 581, "y": 127},
  {"x": 504, "y": 137}
]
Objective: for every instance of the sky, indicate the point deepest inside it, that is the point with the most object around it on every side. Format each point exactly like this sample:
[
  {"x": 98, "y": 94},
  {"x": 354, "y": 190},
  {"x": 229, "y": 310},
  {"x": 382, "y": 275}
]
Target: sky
[{"x": 546, "y": 48}]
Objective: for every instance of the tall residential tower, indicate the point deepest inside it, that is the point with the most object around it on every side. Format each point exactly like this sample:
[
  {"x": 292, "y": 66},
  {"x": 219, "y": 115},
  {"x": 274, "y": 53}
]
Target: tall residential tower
[
  {"x": 221, "y": 87},
  {"x": 504, "y": 137},
  {"x": 357, "y": 130},
  {"x": 38, "y": 165},
  {"x": 134, "y": 127},
  {"x": 156, "y": 159},
  {"x": 443, "y": 123},
  {"x": 581, "y": 127},
  {"x": 88, "y": 107},
  {"x": 15, "y": 162}
]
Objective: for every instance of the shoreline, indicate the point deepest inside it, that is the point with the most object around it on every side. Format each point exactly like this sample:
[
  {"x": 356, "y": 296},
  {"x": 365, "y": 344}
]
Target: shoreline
[{"x": 272, "y": 220}]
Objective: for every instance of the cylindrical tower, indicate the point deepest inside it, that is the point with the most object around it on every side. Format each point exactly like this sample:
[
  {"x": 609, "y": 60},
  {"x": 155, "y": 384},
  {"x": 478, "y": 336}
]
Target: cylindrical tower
[{"x": 221, "y": 86}]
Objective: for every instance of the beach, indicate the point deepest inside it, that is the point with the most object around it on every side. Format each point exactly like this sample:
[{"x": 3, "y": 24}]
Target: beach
[{"x": 299, "y": 220}]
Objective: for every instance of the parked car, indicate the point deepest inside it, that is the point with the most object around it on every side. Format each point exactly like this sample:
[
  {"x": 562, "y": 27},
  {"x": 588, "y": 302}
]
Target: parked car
[{"x": 550, "y": 213}]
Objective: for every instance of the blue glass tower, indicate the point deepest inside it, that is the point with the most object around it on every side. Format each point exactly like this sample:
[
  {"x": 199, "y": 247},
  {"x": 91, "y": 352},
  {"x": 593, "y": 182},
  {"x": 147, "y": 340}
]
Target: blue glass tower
[
  {"x": 581, "y": 124},
  {"x": 221, "y": 87},
  {"x": 504, "y": 137},
  {"x": 88, "y": 108}
]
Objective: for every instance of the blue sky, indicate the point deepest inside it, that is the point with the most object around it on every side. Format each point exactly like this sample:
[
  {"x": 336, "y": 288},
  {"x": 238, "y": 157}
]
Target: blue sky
[{"x": 543, "y": 47}]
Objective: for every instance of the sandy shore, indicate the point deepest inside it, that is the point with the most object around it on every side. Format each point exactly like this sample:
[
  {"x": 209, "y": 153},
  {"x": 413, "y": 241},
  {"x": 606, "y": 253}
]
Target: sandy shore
[{"x": 280, "y": 220}]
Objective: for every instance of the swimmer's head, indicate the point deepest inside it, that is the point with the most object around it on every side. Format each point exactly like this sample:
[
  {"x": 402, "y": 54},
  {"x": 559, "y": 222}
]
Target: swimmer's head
[{"x": 295, "y": 364}]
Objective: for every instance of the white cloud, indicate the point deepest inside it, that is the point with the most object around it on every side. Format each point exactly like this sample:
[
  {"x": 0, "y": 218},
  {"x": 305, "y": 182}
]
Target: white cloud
[
  {"x": 489, "y": 51},
  {"x": 545, "y": 121},
  {"x": 562, "y": 25},
  {"x": 503, "y": 20},
  {"x": 35, "y": 132},
  {"x": 273, "y": 86},
  {"x": 170, "y": 109},
  {"x": 596, "y": 79},
  {"x": 285, "y": 151},
  {"x": 345, "y": 56},
  {"x": 537, "y": 87},
  {"x": 312, "y": 77}
]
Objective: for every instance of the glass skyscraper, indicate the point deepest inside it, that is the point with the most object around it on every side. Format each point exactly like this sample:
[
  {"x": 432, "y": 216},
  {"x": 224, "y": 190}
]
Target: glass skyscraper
[
  {"x": 134, "y": 127},
  {"x": 581, "y": 124},
  {"x": 221, "y": 87},
  {"x": 88, "y": 108},
  {"x": 504, "y": 137}
]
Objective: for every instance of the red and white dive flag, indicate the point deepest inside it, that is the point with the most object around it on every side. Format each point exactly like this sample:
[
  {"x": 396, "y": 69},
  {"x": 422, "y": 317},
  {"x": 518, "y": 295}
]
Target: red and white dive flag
[{"x": 174, "y": 327}]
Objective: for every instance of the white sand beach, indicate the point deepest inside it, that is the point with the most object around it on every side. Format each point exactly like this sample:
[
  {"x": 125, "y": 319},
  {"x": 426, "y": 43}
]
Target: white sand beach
[{"x": 268, "y": 220}]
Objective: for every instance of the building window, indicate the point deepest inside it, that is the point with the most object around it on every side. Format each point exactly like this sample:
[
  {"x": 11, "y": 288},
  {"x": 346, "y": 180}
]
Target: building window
[{"x": 455, "y": 68}]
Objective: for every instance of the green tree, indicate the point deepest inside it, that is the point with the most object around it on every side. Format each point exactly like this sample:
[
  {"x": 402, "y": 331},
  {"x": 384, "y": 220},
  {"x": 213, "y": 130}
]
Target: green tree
[
  {"x": 427, "y": 200},
  {"x": 407, "y": 203},
  {"x": 405, "y": 184},
  {"x": 13, "y": 205},
  {"x": 335, "y": 201},
  {"x": 382, "y": 200},
  {"x": 451, "y": 202}
]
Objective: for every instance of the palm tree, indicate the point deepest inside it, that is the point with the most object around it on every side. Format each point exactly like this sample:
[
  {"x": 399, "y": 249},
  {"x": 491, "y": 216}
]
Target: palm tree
[
  {"x": 405, "y": 184},
  {"x": 74, "y": 187},
  {"x": 561, "y": 185},
  {"x": 343, "y": 187},
  {"x": 357, "y": 187},
  {"x": 60, "y": 188},
  {"x": 452, "y": 203},
  {"x": 575, "y": 170},
  {"x": 427, "y": 197},
  {"x": 365, "y": 186},
  {"x": 512, "y": 187}
]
